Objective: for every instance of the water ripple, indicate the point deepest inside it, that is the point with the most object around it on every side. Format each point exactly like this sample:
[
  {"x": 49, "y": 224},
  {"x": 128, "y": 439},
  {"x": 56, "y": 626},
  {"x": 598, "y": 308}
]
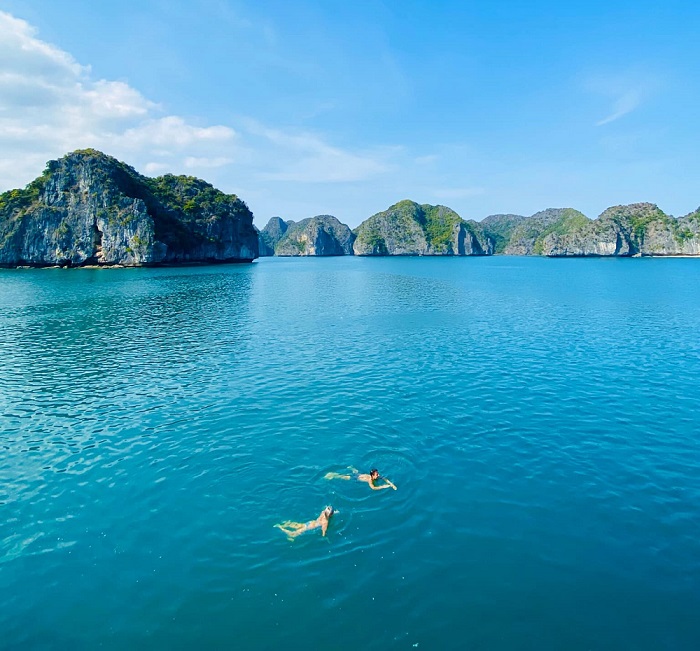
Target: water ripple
[{"x": 538, "y": 418}]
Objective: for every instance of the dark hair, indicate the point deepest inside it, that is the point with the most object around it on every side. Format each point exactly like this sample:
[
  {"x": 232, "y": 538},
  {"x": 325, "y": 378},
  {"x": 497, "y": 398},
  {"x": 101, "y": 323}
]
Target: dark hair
[{"x": 371, "y": 472}]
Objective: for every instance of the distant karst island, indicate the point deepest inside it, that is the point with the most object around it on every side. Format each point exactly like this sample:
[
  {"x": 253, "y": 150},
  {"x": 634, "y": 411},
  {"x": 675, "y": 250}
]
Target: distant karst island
[
  {"x": 408, "y": 228},
  {"x": 89, "y": 209}
]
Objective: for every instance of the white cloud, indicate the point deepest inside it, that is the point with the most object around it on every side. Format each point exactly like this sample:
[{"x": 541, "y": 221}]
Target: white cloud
[
  {"x": 115, "y": 99},
  {"x": 172, "y": 133},
  {"x": 50, "y": 105},
  {"x": 38, "y": 59},
  {"x": 194, "y": 162},
  {"x": 156, "y": 169}
]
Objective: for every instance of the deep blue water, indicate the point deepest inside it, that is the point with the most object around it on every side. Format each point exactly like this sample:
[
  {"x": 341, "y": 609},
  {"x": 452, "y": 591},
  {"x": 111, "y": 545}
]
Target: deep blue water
[{"x": 539, "y": 417}]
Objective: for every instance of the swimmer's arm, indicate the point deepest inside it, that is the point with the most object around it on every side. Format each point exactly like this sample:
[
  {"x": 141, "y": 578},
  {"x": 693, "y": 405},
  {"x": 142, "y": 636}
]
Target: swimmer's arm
[
  {"x": 324, "y": 527},
  {"x": 389, "y": 483},
  {"x": 378, "y": 488}
]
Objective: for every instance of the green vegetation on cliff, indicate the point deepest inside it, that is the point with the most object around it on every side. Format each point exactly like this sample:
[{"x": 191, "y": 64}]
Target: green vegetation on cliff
[
  {"x": 409, "y": 228},
  {"x": 568, "y": 220},
  {"x": 499, "y": 228},
  {"x": 374, "y": 240},
  {"x": 322, "y": 235},
  {"x": 637, "y": 218},
  {"x": 687, "y": 228},
  {"x": 191, "y": 196},
  {"x": 630, "y": 230},
  {"x": 440, "y": 223},
  {"x": 17, "y": 201}
]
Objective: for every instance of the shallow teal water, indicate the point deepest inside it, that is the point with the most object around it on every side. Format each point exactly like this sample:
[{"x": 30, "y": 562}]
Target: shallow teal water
[{"x": 538, "y": 416}]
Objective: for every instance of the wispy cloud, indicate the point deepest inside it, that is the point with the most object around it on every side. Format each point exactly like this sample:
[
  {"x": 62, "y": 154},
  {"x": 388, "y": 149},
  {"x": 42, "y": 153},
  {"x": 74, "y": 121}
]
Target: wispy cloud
[
  {"x": 626, "y": 92},
  {"x": 428, "y": 159},
  {"x": 305, "y": 157},
  {"x": 625, "y": 104},
  {"x": 458, "y": 193},
  {"x": 199, "y": 162}
]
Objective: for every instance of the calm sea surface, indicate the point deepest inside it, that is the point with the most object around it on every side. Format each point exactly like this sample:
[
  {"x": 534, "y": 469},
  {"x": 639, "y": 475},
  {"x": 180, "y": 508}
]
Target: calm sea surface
[{"x": 539, "y": 417}]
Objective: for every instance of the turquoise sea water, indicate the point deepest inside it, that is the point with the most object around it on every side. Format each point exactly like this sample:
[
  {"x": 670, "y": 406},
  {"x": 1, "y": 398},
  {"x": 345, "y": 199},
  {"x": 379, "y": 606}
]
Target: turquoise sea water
[{"x": 539, "y": 417}]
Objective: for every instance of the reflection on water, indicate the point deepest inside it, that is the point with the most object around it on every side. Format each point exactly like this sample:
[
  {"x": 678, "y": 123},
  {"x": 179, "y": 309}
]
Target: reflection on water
[{"x": 537, "y": 416}]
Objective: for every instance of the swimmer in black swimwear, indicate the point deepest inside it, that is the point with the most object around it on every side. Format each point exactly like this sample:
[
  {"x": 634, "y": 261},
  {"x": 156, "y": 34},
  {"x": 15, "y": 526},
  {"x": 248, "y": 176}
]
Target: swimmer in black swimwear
[
  {"x": 293, "y": 529},
  {"x": 368, "y": 479}
]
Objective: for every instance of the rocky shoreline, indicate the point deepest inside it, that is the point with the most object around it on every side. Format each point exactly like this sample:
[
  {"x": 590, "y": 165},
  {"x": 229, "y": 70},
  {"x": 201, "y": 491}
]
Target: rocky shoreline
[
  {"x": 407, "y": 228},
  {"x": 90, "y": 210}
]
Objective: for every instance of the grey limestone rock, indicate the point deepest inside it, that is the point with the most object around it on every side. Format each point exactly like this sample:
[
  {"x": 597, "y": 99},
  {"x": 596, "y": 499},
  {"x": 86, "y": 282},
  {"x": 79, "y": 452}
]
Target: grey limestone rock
[
  {"x": 499, "y": 229},
  {"x": 322, "y": 235},
  {"x": 273, "y": 232},
  {"x": 635, "y": 229},
  {"x": 527, "y": 235},
  {"x": 408, "y": 228},
  {"x": 89, "y": 208}
]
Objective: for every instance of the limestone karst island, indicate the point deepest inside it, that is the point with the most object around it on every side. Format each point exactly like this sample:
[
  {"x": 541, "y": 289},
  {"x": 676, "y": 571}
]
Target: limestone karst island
[{"x": 89, "y": 209}]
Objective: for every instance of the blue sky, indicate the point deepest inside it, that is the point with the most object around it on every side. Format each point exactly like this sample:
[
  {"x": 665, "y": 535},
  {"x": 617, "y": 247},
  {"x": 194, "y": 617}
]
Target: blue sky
[{"x": 343, "y": 108}]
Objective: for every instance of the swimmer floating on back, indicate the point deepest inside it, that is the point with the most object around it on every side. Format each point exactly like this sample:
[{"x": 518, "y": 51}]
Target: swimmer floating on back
[
  {"x": 293, "y": 529},
  {"x": 372, "y": 477}
]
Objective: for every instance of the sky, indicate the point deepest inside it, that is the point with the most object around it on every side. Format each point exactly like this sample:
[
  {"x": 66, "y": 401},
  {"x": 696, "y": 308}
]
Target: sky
[{"x": 344, "y": 108}]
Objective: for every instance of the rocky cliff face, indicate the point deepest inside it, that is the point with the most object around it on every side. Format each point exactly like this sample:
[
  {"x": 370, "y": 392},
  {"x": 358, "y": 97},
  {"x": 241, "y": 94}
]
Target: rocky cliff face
[
  {"x": 636, "y": 229},
  {"x": 273, "y": 232},
  {"x": 527, "y": 236},
  {"x": 89, "y": 208},
  {"x": 321, "y": 235},
  {"x": 408, "y": 228},
  {"x": 499, "y": 229}
]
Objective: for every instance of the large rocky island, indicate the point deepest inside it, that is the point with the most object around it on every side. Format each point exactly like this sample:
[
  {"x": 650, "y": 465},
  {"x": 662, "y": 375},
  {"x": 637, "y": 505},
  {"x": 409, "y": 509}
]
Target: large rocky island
[{"x": 88, "y": 208}]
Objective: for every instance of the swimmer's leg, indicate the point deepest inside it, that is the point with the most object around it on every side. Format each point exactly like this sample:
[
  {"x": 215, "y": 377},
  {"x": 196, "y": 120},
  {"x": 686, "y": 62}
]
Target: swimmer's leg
[
  {"x": 290, "y": 534},
  {"x": 291, "y": 528},
  {"x": 335, "y": 475}
]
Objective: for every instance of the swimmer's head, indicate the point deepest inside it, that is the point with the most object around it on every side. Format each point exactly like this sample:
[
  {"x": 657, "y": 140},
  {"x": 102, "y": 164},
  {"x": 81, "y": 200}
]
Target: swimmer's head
[
  {"x": 328, "y": 511},
  {"x": 374, "y": 473}
]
